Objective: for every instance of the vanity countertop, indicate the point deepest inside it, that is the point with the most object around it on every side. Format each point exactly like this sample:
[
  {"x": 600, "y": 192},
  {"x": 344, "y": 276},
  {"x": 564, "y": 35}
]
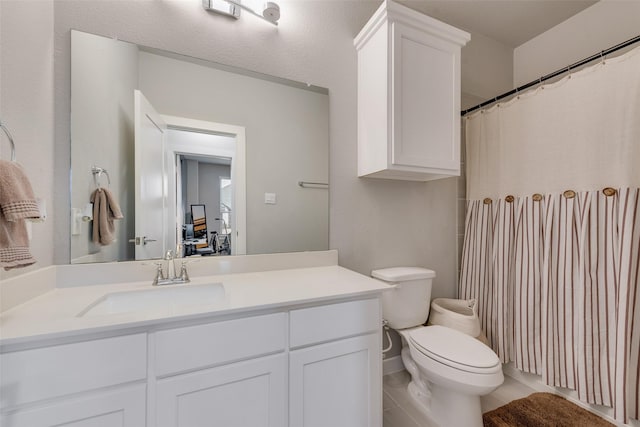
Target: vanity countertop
[{"x": 54, "y": 315}]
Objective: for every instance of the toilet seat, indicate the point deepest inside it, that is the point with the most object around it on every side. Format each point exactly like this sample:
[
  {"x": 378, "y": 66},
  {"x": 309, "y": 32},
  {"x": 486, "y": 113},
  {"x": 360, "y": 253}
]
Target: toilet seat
[{"x": 454, "y": 349}]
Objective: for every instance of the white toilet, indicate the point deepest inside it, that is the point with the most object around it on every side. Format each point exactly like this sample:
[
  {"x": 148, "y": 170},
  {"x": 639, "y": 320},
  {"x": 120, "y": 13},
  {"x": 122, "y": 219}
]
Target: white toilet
[{"x": 449, "y": 369}]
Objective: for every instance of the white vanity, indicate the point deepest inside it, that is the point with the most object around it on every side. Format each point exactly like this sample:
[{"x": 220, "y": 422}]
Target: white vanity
[{"x": 285, "y": 340}]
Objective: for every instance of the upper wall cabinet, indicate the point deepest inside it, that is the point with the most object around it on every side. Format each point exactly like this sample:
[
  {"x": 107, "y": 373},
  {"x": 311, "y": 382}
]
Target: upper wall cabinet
[{"x": 408, "y": 96}]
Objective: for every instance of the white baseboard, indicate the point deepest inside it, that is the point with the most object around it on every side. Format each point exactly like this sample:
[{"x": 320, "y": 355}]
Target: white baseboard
[
  {"x": 535, "y": 382},
  {"x": 392, "y": 364}
]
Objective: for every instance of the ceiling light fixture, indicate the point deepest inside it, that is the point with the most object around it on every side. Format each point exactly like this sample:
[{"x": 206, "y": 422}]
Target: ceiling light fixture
[{"x": 269, "y": 11}]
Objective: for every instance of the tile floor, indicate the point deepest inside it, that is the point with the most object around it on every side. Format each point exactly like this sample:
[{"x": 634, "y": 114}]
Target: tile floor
[{"x": 399, "y": 410}]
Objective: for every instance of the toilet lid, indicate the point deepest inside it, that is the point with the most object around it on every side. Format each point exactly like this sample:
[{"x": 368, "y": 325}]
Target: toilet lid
[{"x": 454, "y": 349}]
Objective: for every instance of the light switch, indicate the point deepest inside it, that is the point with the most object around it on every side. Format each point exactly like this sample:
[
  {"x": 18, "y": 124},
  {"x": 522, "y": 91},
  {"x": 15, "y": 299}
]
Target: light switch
[{"x": 270, "y": 198}]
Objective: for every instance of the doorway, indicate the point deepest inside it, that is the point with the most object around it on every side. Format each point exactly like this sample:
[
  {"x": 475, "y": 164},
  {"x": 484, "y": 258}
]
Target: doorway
[
  {"x": 201, "y": 156},
  {"x": 205, "y": 183}
]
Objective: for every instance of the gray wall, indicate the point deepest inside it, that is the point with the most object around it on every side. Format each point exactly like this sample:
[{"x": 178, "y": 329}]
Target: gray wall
[
  {"x": 27, "y": 109},
  {"x": 605, "y": 24}
]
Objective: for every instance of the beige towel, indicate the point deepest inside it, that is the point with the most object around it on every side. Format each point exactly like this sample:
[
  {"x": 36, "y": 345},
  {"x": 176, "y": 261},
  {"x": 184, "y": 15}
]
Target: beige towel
[
  {"x": 17, "y": 204},
  {"x": 105, "y": 210}
]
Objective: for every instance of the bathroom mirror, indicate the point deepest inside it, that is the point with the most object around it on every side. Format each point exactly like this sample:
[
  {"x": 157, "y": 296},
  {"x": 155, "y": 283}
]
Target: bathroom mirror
[{"x": 271, "y": 133}]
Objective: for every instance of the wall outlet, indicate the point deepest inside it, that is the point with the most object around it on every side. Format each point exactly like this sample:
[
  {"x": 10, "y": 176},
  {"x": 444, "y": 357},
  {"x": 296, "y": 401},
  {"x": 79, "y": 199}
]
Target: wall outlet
[{"x": 270, "y": 198}]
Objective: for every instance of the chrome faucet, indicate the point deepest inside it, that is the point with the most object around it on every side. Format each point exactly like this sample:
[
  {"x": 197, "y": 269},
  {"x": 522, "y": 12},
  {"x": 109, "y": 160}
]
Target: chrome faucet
[{"x": 171, "y": 277}]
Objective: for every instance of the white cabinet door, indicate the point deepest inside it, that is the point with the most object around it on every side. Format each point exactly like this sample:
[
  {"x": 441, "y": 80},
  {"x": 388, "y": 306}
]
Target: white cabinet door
[
  {"x": 426, "y": 101},
  {"x": 119, "y": 408},
  {"x": 245, "y": 394},
  {"x": 337, "y": 384}
]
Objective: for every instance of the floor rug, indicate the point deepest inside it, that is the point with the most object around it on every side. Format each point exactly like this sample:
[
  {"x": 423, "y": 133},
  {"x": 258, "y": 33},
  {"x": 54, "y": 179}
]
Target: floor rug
[{"x": 542, "y": 410}]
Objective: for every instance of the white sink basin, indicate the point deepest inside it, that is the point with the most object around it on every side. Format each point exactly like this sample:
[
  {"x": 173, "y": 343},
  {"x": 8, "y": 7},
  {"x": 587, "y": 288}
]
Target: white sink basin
[{"x": 170, "y": 298}]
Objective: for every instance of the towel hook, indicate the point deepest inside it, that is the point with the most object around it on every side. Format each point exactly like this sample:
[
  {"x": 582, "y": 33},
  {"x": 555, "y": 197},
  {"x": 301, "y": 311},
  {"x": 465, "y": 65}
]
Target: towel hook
[
  {"x": 97, "y": 173},
  {"x": 13, "y": 145}
]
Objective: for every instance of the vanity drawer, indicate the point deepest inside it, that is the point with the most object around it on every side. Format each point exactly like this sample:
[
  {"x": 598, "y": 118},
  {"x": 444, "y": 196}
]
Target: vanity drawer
[
  {"x": 42, "y": 373},
  {"x": 200, "y": 346},
  {"x": 329, "y": 322}
]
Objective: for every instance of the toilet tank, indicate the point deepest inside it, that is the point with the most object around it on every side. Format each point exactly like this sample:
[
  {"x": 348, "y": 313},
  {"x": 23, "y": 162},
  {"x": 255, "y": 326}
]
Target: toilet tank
[{"x": 407, "y": 305}]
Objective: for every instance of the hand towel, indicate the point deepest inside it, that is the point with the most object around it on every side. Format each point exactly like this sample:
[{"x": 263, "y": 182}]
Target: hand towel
[
  {"x": 17, "y": 204},
  {"x": 105, "y": 211},
  {"x": 16, "y": 198},
  {"x": 14, "y": 244}
]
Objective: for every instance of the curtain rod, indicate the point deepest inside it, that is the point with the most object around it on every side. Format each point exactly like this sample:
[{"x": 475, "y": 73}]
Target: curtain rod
[{"x": 554, "y": 74}]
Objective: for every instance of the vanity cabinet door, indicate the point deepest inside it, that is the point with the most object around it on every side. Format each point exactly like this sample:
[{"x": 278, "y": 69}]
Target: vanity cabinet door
[
  {"x": 252, "y": 393},
  {"x": 124, "y": 407},
  {"x": 337, "y": 384}
]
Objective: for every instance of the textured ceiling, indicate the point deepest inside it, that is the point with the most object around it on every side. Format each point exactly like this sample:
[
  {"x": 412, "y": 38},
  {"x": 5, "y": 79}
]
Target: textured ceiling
[{"x": 511, "y": 22}]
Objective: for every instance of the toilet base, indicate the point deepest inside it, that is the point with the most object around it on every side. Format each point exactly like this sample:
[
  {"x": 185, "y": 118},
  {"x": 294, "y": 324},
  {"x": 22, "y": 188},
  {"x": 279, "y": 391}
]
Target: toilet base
[
  {"x": 442, "y": 405},
  {"x": 418, "y": 390},
  {"x": 418, "y": 399},
  {"x": 452, "y": 408},
  {"x": 447, "y": 405}
]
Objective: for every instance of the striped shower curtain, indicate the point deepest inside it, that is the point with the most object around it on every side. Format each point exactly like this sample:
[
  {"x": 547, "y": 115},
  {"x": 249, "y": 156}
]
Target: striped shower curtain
[
  {"x": 556, "y": 280},
  {"x": 552, "y": 236}
]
